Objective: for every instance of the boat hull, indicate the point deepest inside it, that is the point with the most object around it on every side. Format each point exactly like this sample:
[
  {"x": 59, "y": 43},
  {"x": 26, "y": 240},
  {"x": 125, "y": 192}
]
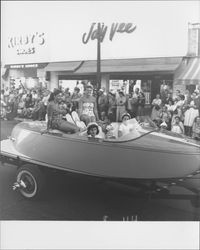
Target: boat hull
[{"x": 149, "y": 157}]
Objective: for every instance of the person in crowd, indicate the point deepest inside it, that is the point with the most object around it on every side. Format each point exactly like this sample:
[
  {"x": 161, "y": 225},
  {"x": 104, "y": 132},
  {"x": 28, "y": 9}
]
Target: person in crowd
[
  {"x": 67, "y": 100},
  {"x": 88, "y": 106},
  {"x": 38, "y": 112},
  {"x": 2, "y": 95},
  {"x": 45, "y": 99},
  {"x": 34, "y": 96},
  {"x": 11, "y": 100},
  {"x": 165, "y": 117},
  {"x": 141, "y": 104},
  {"x": 129, "y": 104},
  {"x": 102, "y": 104},
  {"x": 3, "y": 110},
  {"x": 188, "y": 97},
  {"x": 190, "y": 114},
  {"x": 28, "y": 105},
  {"x": 196, "y": 128},
  {"x": 177, "y": 93},
  {"x": 111, "y": 107},
  {"x": 54, "y": 114},
  {"x": 121, "y": 106},
  {"x": 6, "y": 95},
  {"x": 180, "y": 100},
  {"x": 170, "y": 106},
  {"x": 167, "y": 99},
  {"x": 75, "y": 98},
  {"x": 134, "y": 102},
  {"x": 177, "y": 126},
  {"x": 80, "y": 86},
  {"x": 156, "y": 106}
]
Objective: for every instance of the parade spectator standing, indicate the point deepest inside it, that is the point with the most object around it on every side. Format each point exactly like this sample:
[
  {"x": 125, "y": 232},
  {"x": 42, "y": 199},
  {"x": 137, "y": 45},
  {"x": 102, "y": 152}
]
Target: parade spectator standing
[
  {"x": 190, "y": 114},
  {"x": 168, "y": 99},
  {"x": 188, "y": 97},
  {"x": 165, "y": 116},
  {"x": 88, "y": 106},
  {"x": 45, "y": 99},
  {"x": 67, "y": 99},
  {"x": 134, "y": 102},
  {"x": 121, "y": 106},
  {"x": 141, "y": 104},
  {"x": 111, "y": 107},
  {"x": 156, "y": 106},
  {"x": 6, "y": 95},
  {"x": 102, "y": 104},
  {"x": 75, "y": 99},
  {"x": 196, "y": 128},
  {"x": 80, "y": 85},
  {"x": 38, "y": 112}
]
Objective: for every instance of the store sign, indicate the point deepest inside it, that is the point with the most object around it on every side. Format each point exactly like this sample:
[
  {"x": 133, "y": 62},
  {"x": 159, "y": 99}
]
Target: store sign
[
  {"x": 115, "y": 28},
  {"x": 26, "y": 44},
  {"x": 26, "y": 66}
]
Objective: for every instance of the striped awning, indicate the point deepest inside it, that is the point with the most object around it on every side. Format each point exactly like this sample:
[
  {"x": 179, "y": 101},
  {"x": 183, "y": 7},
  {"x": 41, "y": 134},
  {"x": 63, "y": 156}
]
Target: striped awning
[{"x": 190, "y": 74}]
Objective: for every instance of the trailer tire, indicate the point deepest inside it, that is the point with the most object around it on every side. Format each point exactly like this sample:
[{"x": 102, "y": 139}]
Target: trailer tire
[{"x": 33, "y": 178}]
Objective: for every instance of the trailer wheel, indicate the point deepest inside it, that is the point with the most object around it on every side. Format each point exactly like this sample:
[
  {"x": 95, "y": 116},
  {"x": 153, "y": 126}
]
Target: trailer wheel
[{"x": 31, "y": 181}]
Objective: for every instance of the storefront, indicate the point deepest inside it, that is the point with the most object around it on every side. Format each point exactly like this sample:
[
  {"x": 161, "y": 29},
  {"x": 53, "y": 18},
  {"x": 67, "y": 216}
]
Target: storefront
[
  {"x": 52, "y": 50},
  {"x": 148, "y": 74},
  {"x": 27, "y": 75}
]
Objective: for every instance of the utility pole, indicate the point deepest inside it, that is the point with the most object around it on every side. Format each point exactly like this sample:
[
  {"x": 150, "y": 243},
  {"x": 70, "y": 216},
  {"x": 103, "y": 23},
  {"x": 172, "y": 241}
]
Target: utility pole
[{"x": 99, "y": 56}]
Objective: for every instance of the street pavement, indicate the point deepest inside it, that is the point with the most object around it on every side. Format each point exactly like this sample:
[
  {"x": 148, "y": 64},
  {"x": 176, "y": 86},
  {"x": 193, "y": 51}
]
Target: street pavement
[{"x": 76, "y": 198}]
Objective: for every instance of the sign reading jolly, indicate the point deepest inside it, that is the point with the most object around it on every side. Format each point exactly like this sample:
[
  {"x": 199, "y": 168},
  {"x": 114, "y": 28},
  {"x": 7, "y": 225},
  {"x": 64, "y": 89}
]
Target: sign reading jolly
[{"x": 115, "y": 28}]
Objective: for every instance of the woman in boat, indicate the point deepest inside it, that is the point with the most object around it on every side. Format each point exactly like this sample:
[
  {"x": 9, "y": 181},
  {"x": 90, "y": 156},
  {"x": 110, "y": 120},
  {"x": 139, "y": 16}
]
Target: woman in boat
[
  {"x": 88, "y": 106},
  {"x": 125, "y": 127},
  {"x": 55, "y": 114}
]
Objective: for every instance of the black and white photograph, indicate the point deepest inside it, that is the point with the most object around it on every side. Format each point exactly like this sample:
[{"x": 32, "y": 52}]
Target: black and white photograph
[{"x": 100, "y": 125}]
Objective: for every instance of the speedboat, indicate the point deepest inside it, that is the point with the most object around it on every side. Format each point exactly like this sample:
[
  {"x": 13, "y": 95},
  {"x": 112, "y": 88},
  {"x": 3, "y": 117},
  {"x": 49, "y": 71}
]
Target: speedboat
[{"x": 145, "y": 155}]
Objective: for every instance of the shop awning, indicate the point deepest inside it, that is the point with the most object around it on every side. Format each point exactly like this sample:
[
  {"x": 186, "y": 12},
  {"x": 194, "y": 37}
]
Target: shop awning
[
  {"x": 190, "y": 74},
  {"x": 141, "y": 65},
  {"x": 63, "y": 66}
]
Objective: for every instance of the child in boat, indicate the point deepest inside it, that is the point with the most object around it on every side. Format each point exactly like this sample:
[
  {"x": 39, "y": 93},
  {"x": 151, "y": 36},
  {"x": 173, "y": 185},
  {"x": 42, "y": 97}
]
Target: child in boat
[{"x": 93, "y": 131}]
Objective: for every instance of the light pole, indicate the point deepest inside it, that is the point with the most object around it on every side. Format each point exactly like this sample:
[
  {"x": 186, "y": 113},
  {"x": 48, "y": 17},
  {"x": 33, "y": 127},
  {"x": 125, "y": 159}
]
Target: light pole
[{"x": 99, "y": 56}]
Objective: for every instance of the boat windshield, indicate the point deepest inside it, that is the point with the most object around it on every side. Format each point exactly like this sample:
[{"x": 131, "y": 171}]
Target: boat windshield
[{"x": 129, "y": 130}]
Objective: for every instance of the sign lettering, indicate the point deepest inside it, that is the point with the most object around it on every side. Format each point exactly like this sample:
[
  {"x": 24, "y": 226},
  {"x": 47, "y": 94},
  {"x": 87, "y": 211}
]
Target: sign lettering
[
  {"x": 26, "y": 44},
  {"x": 115, "y": 28}
]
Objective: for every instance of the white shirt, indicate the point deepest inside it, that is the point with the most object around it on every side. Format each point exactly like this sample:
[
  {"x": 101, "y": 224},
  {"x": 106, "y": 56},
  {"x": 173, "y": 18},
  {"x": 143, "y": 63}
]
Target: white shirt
[{"x": 126, "y": 128}]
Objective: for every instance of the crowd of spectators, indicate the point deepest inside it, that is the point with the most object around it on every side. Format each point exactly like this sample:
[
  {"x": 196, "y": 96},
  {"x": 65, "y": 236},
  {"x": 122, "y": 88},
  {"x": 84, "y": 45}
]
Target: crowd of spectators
[{"x": 179, "y": 113}]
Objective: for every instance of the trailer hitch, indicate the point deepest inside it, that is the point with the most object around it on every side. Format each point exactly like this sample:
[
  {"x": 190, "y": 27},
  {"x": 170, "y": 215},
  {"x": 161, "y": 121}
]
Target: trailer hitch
[{"x": 18, "y": 184}]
